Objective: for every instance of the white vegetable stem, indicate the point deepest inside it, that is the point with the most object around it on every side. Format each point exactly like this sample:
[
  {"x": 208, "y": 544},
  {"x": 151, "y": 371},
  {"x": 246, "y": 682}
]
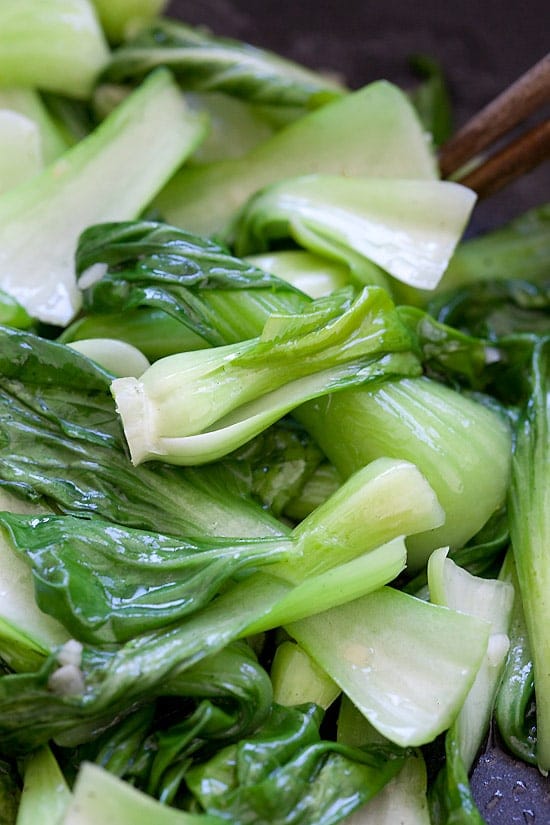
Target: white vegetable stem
[{"x": 110, "y": 175}]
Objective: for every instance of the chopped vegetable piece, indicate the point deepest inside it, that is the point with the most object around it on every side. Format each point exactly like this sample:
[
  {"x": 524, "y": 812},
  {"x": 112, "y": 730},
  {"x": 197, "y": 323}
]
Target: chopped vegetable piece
[
  {"x": 58, "y": 46},
  {"x": 111, "y": 174},
  {"x": 408, "y": 228},
  {"x": 372, "y": 132}
]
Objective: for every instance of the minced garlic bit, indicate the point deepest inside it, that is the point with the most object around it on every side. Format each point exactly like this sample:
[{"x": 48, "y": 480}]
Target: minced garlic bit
[
  {"x": 68, "y": 679},
  {"x": 70, "y": 653}
]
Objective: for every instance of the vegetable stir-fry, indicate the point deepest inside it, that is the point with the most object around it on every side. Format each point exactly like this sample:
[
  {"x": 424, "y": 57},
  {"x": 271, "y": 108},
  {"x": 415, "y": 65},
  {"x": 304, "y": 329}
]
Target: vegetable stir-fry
[{"x": 274, "y": 439}]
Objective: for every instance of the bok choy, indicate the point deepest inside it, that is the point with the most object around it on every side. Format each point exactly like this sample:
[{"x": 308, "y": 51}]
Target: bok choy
[
  {"x": 231, "y": 600},
  {"x": 530, "y": 533},
  {"x": 59, "y": 47},
  {"x": 51, "y": 209},
  {"x": 198, "y": 406}
]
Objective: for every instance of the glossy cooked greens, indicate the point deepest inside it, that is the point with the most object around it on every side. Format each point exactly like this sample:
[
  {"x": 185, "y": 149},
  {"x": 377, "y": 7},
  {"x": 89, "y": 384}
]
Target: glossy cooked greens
[{"x": 169, "y": 591}]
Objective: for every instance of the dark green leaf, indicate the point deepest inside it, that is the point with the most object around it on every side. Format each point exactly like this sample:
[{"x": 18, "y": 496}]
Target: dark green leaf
[
  {"x": 518, "y": 250},
  {"x": 204, "y": 62},
  {"x": 286, "y": 774},
  {"x": 61, "y": 440},
  {"x": 276, "y": 464},
  {"x": 12, "y": 313},
  {"x": 493, "y": 309},
  {"x": 194, "y": 280},
  {"x": 107, "y": 583},
  {"x": 153, "y": 747},
  {"x": 515, "y": 708},
  {"x": 529, "y": 511},
  {"x": 448, "y": 353},
  {"x": 117, "y": 682}
]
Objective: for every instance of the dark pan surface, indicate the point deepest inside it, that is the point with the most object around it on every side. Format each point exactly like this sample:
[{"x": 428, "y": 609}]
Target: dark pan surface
[{"x": 482, "y": 45}]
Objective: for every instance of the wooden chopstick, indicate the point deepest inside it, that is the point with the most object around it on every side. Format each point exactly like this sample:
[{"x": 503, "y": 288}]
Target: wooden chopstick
[
  {"x": 515, "y": 159},
  {"x": 511, "y": 108}
]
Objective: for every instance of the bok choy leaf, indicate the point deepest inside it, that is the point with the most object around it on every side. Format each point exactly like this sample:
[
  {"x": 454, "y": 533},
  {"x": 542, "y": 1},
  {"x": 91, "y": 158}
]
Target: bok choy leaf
[
  {"x": 118, "y": 17},
  {"x": 61, "y": 442},
  {"x": 120, "y": 166},
  {"x": 462, "y": 447},
  {"x": 90, "y": 575},
  {"x": 322, "y": 781},
  {"x": 99, "y": 795},
  {"x": 515, "y": 704},
  {"x": 491, "y": 600},
  {"x": 46, "y": 794},
  {"x": 196, "y": 407},
  {"x": 72, "y": 700},
  {"x": 37, "y": 707},
  {"x": 467, "y": 453},
  {"x": 194, "y": 280},
  {"x": 529, "y": 508},
  {"x": 407, "y": 665},
  {"x": 371, "y": 132},
  {"x": 408, "y": 228},
  {"x": 204, "y": 62},
  {"x": 59, "y": 46}
]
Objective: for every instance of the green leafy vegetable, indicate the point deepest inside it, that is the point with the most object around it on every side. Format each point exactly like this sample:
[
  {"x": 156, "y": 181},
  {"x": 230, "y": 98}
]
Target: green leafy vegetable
[
  {"x": 490, "y": 600},
  {"x": 286, "y": 775},
  {"x": 27, "y": 634},
  {"x": 100, "y": 796},
  {"x": 408, "y": 228},
  {"x": 404, "y": 798},
  {"x": 372, "y": 132},
  {"x": 115, "y": 356},
  {"x": 297, "y": 679},
  {"x": 529, "y": 506},
  {"x": 443, "y": 411},
  {"x": 521, "y": 249},
  {"x": 462, "y": 447},
  {"x": 192, "y": 279},
  {"x": 494, "y": 309},
  {"x": 204, "y": 62},
  {"x": 10, "y": 793},
  {"x": 28, "y": 102},
  {"x": 45, "y": 794},
  {"x": 431, "y": 98},
  {"x": 114, "y": 167},
  {"x": 312, "y": 274},
  {"x": 61, "y": 442},
  {"x": 48, "y": 704},
  {"x": 58, "y": 47},
  {"x": 196, "y": 407},
  {"x": 90, "y": 574},
  {"x": 119, "y": 16},
  {"x": 407, "y": 665},
  {"x": 20, "y": 150},
  {"x": 515, "y": 708},
  {"x": 448, "y": 353},
  {"x": 12, "y": 313},
  {"x": 451, "y": 799},
  {"x": 284, "y": 469},
  {"x": 143, "y": 606}
]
